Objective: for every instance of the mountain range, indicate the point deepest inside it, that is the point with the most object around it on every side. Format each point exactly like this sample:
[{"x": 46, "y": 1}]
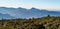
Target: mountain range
[{"x": 25, "y": 13}]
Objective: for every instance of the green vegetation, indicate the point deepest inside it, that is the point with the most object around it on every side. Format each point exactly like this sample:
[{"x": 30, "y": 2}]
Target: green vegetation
[{"x": 31, "y": 23}]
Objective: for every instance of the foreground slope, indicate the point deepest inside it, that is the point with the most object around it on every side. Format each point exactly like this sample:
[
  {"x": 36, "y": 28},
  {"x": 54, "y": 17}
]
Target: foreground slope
[{"x": 32, "y": 23}]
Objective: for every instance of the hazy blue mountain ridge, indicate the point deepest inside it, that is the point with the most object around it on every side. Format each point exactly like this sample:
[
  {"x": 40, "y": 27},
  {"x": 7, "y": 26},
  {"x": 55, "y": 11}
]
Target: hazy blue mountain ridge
[{"x": 25, "y": 13}]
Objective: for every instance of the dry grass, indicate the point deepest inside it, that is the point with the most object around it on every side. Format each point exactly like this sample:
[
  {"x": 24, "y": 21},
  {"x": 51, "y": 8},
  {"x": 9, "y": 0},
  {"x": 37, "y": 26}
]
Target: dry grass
[{"x": 34, "y": 23}]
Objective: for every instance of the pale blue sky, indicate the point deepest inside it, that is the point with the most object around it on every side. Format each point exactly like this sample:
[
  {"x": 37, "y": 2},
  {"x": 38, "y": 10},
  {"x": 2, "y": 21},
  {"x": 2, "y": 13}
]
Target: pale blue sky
[{"x": 41, "y": 4}]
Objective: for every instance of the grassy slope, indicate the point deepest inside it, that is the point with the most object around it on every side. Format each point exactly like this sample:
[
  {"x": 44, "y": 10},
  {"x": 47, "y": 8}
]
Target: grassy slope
[{"x": 34, "y": 23}]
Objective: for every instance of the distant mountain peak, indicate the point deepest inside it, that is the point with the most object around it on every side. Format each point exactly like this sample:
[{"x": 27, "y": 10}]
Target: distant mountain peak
[
  {"x": 26, "y": 13},
  {"x": 33, "y": 8}
]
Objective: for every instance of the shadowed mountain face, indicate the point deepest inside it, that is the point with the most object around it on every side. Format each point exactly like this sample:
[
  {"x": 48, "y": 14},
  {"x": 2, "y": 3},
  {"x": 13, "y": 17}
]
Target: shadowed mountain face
[{"x": 25, "y": 13}]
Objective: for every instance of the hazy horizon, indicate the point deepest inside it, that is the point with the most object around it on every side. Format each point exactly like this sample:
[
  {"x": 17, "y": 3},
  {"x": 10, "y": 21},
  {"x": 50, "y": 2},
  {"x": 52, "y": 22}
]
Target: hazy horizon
[
  {"x": 41, "y": 4},
  {"x": 29, "y": 8}
]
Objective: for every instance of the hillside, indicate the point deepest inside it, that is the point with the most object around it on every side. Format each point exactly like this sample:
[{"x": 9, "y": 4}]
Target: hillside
[
  {"x": 32, "y": 23},
  {"x": 25, "y": 13}
]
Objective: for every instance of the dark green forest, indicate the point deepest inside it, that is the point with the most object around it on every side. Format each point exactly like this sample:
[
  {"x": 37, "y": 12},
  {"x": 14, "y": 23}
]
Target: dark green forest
[{"x": 48, "y": 22}]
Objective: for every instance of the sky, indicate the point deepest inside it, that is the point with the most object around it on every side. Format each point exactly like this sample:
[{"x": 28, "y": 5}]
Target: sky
[{"x": 41, "y": 4}]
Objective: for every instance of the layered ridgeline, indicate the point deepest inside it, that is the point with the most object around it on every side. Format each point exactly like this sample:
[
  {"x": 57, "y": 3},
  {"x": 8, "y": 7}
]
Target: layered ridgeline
[
  {"x": 31, "y": 23},
  {"x": 25, "y": 13}
]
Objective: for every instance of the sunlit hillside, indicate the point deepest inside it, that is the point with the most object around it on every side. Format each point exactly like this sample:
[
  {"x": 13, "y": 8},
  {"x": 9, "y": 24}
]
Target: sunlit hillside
[{"x": 49, "y": 22}]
